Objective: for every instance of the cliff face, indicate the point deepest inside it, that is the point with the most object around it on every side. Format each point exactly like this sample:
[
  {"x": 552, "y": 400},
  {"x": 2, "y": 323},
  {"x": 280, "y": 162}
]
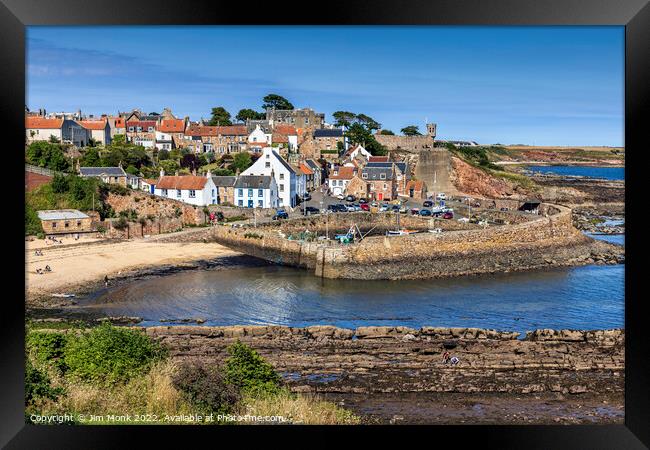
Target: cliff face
[
  {"x": 401, "y": 359},
  {"x": 472, "y": 181}
]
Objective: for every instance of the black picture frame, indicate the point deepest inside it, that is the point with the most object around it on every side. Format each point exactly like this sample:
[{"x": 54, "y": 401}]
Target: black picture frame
[{"x": 15, "y": 15}]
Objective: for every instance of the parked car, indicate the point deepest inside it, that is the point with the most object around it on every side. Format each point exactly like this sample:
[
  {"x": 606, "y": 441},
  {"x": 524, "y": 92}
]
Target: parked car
[
  {"x": 356, "y": 207},
  {"x": 463, "y": 219},
  {"x": 403, "y": 209},
  {"x": 280, "y": 214},
  {"x": 350, "y": 198},
  {"x": 309, "y": 210},
  {"x": 362, "y": 201},
  {"x": 340, "y": 207},
  {"x": 441, "y": 196},
  {"x": 340, "y": 196},
  {"x": 448, "y": 215},
  {"x": 427, "y": 204},
  {"x": 395, "y": 208},
  {"x": 306, "y": 197},
  {"x": 349, "y": 208},
  {"x": 374, "y": 204},
  {"x": 332, "y": 208},
  {"x": 384, "y": 207},
  {"x": 364, "y": 206},
  {"x": 425, "y": 212},
  {"x": 415, "y": 211}
]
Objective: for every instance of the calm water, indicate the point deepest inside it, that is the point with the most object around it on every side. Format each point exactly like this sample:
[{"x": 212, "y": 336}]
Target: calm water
[
  {"x": 590, "y": 297},
  {"x": 607, "y": 173}
]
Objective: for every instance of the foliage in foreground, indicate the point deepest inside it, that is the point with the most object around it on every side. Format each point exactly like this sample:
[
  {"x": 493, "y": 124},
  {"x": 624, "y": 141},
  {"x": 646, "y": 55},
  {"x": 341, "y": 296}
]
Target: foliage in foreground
[
  {"x": 107, "y": 355},
  {"x": 206, "y": 386},
  {"x": 247, "y": 370}
]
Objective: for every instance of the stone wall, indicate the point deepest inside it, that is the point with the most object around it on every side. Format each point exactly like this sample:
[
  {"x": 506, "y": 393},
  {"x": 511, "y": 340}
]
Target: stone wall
[
  {"x": 405, "y": 143},
  {"x": 401, "y": 359},
  {"x": 539, "y": 242}
]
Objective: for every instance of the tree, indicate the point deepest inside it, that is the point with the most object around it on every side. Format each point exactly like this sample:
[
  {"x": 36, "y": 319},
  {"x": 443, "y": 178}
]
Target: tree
[
  {"x": 46, "y": 154},
  {"x": 220, "y": 117},
  {"x": 275, "y": 101},
  {"x": 367, "y": 121},
  {"x": 169, "y": 166},
  {"x": 91, "y": 158},
  {"x": 387, "y": 133},
  {"x": 244, "y": 114},
  {"x": 411, "y": 130},
  {"x": 163, "y": 155},
  {"x": 118, "y": 139},
  {"x": 241, "y": 161},
  {"x": 359, "y": 134},
  {"x": 190, "y": 161},
  {"x": 343, "y": 118},
  {"x": 53, "y": 139},
  {"x": 132, "y": 170},
  {"x": 92, "y": 142}
]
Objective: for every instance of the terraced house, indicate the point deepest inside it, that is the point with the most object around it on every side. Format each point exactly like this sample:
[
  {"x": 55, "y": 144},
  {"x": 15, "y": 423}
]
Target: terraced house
[
  {"x": 381, "y": 182},
  {"x": 256, "y": 191},
  {"x": 192, "y": 189}
]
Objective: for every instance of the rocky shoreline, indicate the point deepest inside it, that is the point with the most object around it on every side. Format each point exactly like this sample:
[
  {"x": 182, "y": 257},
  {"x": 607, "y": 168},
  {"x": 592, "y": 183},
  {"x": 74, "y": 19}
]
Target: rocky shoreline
[{"x": 389, "y": 372}]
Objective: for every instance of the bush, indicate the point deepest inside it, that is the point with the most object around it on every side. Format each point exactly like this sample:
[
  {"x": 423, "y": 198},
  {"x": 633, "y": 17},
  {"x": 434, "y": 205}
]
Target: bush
[
  {"x": 108, "y": 355},
  {"x": 120, "y": 224},
  {"x": 38, "y": 385},
  {"x": 247, "y": 370},
  {"x": 47, "y": 348},
  {"x": 206, "y": 386},
  {"x": 33, "y": 224}
]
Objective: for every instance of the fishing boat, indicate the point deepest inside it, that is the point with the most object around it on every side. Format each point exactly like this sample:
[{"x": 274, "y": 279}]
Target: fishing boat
[
  {"x": 401, "y": 232},
  {"x": 63, "y": 295}
]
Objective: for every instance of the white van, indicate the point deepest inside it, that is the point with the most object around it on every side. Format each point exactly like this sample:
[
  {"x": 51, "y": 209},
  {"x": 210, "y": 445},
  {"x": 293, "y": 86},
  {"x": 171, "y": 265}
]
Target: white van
[{"x": 441, "y": 196}]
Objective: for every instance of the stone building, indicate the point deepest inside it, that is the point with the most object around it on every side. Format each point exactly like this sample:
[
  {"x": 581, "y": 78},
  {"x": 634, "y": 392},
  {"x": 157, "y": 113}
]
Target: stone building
[
  {"x": 381, "y": 182},
  {"x": 416, "y": 189},
  {"x": 299, "y": 118},
  {"x": 115, "y": 175},
  {"x": 409, "y": 143},
  {"x": 225, "y": 189},
  {"x": 65, "y": 221},
  {"x": 327, "y": 140}
]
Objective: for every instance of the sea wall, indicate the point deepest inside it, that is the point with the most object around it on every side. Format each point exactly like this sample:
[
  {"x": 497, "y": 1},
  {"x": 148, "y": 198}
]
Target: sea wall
[
  {"x": 539, "y": 241},
  {"x": 400, "y": 359}
]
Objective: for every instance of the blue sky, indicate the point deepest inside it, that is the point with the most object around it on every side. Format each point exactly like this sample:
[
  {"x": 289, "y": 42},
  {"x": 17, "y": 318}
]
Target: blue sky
[{"x": 530, "y": 85}]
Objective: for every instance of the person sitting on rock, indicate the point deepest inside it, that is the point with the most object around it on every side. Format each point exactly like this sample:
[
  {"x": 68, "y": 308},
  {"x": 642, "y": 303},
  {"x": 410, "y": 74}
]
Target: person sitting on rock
[{"x": 445, "y": 357}]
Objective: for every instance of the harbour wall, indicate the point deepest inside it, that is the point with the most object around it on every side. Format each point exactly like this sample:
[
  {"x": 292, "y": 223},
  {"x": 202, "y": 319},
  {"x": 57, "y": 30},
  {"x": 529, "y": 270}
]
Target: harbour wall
[{"x": 538, "y": 242}]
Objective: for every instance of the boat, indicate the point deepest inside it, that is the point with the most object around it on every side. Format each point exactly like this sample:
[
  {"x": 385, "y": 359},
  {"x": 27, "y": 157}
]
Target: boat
[
  {"x": 63, "y": 295},
  {"x": 401, "y": 232}
]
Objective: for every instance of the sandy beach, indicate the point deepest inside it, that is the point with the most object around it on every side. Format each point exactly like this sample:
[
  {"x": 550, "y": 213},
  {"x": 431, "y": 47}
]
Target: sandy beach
[{"x": 74, "y": 263}]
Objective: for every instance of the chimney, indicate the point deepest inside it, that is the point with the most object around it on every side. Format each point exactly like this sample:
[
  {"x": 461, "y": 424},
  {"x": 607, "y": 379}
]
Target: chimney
[
  {"x": 237, "y": 172},
  {"x": 208, "y": 174},
  {"x": 176, "y": 173},
  {"x": 162, "y": 172}
]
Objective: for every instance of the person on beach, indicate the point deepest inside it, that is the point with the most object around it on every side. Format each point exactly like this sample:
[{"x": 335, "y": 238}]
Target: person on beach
[
  {"x": 106, "y": 280},
  {"x": 445, "y": 357}
]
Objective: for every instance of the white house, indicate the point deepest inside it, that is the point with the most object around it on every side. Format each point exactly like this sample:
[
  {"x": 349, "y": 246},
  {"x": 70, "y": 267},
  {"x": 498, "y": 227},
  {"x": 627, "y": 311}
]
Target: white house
[
  {"x": 257, "y": 140},
  {"x": 271, "y": 163},
  {"x": 164, "y": 141},
  {"x": 339, "y": 178},
  {"x": 357, "y": 150},
  {"x": 256, "y": 191},
  {"x": 192, "y": 189},
  {"x": 65, "y": 130},
  {"x": 99, "y": 130}
]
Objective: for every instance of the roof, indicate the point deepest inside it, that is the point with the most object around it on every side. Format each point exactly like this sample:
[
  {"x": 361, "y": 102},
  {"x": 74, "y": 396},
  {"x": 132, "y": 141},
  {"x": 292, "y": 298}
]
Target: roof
[
  {"x": 285, "y": 129},
  {"x": 400, "y": 165},
  {"x": 253, "y": 182},
  {"x": 224, "y": 181},
  {"x": 305, "y": 169},
  {"x": 42, "y": 122},
  {"x": 149, "y": 181},
  {"x": 313, "y": 164},
  {"x": 141, "y": 123},
  {"x": 344, "y": 173},
  {"x": 374, "y": 173},
  {"x": 325, "y": 133},
  {"x": 284, "y": 163},
  {"x": 184, "y": 182},
  {"x": 102, "y": 171},
  {"x": 61, "y": 214},
  {"x": 416, "y": 185},
  {"x": 378, "y": 159},
  {"x": 172, "y": 126},
  {"x": 279, "y": 138},
  {"x": 92, "y": 124},
  {"x": 230, "y": 130},
  {"x": 34, "y": 180}
]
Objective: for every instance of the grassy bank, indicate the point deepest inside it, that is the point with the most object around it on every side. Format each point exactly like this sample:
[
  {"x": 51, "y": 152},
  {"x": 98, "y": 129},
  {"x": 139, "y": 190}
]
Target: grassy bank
[{"x": 113, "y": 375}]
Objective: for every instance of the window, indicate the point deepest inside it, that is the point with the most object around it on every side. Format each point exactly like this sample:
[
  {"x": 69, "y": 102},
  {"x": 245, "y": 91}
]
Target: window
[
  {"x": 78, "y": 223},
  {"x": 364, "y": 175},
  {"x": 260, "y": 203},
  {"x": 139, "y": 129},
  {"x": 192, "y": 193},
  {"x": 385, "y": 186},
  {"x": 240, "y": 193},
  {"x": 260, "y": 192},
  {"x": 150, "y": 129},
  {"x": 131, "y": 129},
  {"x": 115, "y": 179},
  {"x": 164, "y": 192},
  {"x": 282, "y": 188},
  {"x": 250, "y": 192},
  {"x": 268, "y": 156},
  {"x": 240, "y": 203},
  {"x": 282, "y": 176},
  {"x": 66, "y": 224},
  {"x": 267, "y": 164},
  {"x": 178, "y": 193},
  {"x": 213, "y": 192},
  {"x": 382, "y": 176},
  {"x": 53, "y": 224}
]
